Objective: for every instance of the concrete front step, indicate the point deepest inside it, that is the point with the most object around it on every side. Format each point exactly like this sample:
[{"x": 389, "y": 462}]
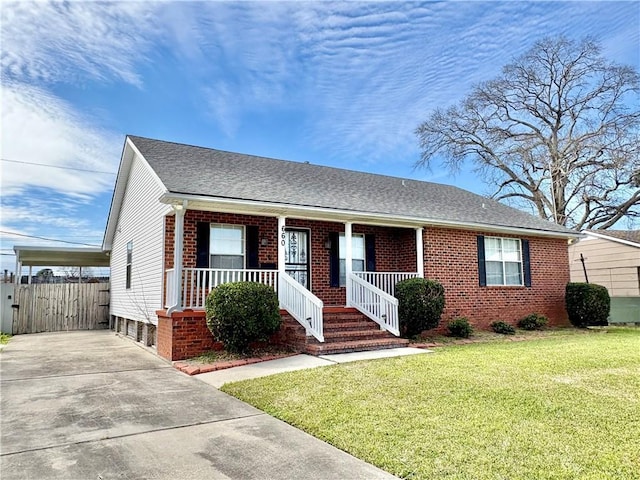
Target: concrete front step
[{"x": 355, "y": 346}]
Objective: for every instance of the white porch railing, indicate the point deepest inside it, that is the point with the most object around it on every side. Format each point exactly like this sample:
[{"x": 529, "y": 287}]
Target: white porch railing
[
  {"x": 303, "y": 305},
  {"x": 374, "y": 303},
  {"x": 198, "y": 282},
  {"x": 385, "y": 281},
  {"x": 170, "y": 286}
]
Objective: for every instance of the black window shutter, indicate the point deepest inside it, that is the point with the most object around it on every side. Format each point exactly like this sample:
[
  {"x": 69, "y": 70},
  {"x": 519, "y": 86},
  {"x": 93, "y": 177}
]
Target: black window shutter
[
  {"x": 526, "y": 263},
  {"x": 334, "y": 260},
  {"x": 482, "y": 270},
  {"x": 202, "y": 244},
  {"x": 370, "y": 249},
  {"x": 253, "y": 241}
]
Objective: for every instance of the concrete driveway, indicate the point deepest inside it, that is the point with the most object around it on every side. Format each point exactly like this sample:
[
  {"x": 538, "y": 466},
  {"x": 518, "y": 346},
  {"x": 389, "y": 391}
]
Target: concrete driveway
[{"x": 91, "y": 405}]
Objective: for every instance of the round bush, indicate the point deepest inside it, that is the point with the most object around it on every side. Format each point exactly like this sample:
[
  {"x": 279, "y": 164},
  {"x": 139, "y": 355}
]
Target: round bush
[
  {"x": 503, "y": 327},
  {"x": 460, "y": 327},
  {"x": 420, "y": 305},
  {"x": 241, "y": 313},
  {"x": 587, "y": 304},
  {"x": 533, "y": 321}
]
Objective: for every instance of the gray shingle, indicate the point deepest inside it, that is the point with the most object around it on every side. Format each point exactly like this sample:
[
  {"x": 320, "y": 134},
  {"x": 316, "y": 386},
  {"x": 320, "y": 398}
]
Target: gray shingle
[{"x": 204, "y": 171}]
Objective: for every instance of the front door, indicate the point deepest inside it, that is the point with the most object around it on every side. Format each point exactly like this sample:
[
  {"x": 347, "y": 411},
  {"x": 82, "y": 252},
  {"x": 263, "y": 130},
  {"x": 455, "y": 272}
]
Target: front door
[{"x": 297, "y": 255}]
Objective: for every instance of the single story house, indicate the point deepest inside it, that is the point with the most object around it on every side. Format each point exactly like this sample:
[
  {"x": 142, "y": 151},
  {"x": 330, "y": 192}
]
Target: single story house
[
  {"x": 332, "y": 242},
  {"x": 611, "y": 258}
]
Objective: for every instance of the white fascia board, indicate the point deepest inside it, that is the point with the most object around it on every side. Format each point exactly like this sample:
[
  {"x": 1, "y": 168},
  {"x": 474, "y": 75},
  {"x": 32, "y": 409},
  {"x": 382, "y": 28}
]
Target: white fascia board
[
  {"x": 252, "y": 207},
  {"x": 129, "y": 152},
  {"x": 613, "y": 239}
]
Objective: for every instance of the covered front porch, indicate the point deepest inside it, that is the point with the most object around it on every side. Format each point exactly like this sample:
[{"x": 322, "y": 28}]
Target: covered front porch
[{"x": 312, "y": 263}]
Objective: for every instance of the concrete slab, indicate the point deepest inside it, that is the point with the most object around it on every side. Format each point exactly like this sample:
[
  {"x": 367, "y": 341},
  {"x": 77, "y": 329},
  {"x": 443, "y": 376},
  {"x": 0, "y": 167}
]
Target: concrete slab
[
  {"x": 57, "y": 354},
  {"x": 250, "y": 448},
  {"x": 109, "y": 409},
  {"x": 263, "y": 369},
  {"x": 372, "y": 355},
  {"x": 54, "y": 411}
]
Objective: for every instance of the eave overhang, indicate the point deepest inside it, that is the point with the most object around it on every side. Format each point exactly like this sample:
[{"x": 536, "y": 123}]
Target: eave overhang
[{"x": 271, "y": 209}]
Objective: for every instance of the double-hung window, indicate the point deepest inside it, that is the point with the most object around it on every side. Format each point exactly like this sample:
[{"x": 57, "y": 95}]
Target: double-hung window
[
  {"x": 503, "y": 260},
  {"x": 227, "y": 246},
  {"x": 358, "y": 258}
]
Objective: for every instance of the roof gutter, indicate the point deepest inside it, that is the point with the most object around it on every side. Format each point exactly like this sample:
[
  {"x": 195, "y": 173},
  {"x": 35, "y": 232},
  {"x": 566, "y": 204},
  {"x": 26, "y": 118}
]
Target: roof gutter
[{"x": 321, "y": 213}]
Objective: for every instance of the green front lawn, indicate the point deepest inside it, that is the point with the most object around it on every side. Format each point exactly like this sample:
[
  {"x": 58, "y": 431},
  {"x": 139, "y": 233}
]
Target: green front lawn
[{"x": 566, "y": 406}]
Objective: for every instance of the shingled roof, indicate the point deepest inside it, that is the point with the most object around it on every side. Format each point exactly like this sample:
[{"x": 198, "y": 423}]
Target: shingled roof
[
  {"x": 185, "y": 169},
  {"x": 632, "y": 236}
]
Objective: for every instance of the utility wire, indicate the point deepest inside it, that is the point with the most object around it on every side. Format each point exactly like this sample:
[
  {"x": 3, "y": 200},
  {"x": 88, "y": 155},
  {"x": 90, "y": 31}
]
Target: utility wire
[
  {"x": 48, "y": 239},
  {"x": 57, "y": 166}
]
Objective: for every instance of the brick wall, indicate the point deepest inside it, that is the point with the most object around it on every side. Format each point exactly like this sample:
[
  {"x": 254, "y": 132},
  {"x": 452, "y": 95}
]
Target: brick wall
[
  {"x": 451, "y": 258},
  {"x": 184, "y": 335}
]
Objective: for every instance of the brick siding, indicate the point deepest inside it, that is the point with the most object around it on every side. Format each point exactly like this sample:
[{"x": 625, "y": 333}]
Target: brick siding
[{"x": 451, "y": 258}]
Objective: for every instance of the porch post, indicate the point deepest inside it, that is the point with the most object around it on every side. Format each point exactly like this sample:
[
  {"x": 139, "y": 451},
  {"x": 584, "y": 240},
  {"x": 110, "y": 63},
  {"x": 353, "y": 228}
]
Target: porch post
[
  {"x": 30, "y": 275},
  {"x": 419, "y": 252},
  {"x": 175, "y": 303},
  {"x": 348, "y": 256},
  {"x": 18, "y": 272},
  {"x": 281, "y": 244}
]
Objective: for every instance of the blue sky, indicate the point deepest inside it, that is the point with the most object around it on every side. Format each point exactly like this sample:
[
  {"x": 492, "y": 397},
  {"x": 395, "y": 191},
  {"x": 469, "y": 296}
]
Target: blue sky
[{"x": 342, "y": 84}]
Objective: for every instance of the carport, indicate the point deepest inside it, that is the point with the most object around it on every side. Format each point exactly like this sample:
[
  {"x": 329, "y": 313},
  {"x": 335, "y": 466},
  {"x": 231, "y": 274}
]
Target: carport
[
  {"x": 30, "y": 256},
  {"x": 51, "y": 307}
]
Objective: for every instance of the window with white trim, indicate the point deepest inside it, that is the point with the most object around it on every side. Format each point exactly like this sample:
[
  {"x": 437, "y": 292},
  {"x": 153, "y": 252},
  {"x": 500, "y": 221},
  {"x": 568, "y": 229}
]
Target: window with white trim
[
  {"x": 227, "y": 246},
  {"x": 358, "y": 257},
  {"x": 503, "y": 260},
  {"x": 129, "y": 264}
]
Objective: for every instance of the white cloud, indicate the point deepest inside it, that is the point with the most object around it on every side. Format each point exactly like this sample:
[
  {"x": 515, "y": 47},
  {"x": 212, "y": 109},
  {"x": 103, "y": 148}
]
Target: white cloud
[
  {"x": 70, "y": 41},
  {"x": 38, "y": 127}
]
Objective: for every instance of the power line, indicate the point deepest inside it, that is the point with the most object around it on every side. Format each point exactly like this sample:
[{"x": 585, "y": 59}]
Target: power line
[
  {"x": 48, "y": 239},
  {"x": 57, "y": 166}
]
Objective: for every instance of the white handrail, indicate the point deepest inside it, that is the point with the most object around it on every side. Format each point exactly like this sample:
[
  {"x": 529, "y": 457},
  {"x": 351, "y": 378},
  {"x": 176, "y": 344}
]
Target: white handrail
[
  {"x": 301, "y": 304},
  {"x": 386, "y": 281},
  {"x": 198, "y": 282},
  {"x": 375, "y": 303}
]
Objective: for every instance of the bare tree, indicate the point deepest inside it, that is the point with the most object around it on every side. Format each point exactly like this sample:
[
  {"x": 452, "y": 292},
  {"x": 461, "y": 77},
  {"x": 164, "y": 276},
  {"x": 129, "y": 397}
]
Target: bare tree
[{"x": 559, "y": 130}]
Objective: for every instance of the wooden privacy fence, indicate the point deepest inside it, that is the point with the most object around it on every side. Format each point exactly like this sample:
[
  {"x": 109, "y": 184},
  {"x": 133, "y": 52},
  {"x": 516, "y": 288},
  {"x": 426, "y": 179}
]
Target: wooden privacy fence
[{"x": 60, "y": 307}]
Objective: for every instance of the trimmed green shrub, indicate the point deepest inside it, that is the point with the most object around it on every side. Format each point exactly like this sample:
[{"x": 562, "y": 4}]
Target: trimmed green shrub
[
  {"x": 242, "y": 312},
  {"x": 533, "y": 321},
  {"x": 420, "y": 305},
  {"x": 587, "y": 304},
  {"x": 503, "y": 327},
  {"x": 460, "y": 327}
]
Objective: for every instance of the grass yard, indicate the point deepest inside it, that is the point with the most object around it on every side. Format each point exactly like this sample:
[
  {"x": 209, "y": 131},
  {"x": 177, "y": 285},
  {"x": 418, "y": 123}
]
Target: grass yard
[{"x": 563, "y": 407}]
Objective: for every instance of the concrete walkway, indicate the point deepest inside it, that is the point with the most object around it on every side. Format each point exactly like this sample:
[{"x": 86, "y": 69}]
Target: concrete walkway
[
  {"x": 298, "y": 362},
  {"x": 91, "y": 405}
]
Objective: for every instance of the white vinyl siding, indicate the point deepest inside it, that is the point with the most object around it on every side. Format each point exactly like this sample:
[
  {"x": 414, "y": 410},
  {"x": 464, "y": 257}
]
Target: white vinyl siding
[
  {"x": 141, "y": 222},
  {"x": 357, "y": 255},
  {"x": 227, "y": 246},
  {"x": 503, "y": 260}
]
